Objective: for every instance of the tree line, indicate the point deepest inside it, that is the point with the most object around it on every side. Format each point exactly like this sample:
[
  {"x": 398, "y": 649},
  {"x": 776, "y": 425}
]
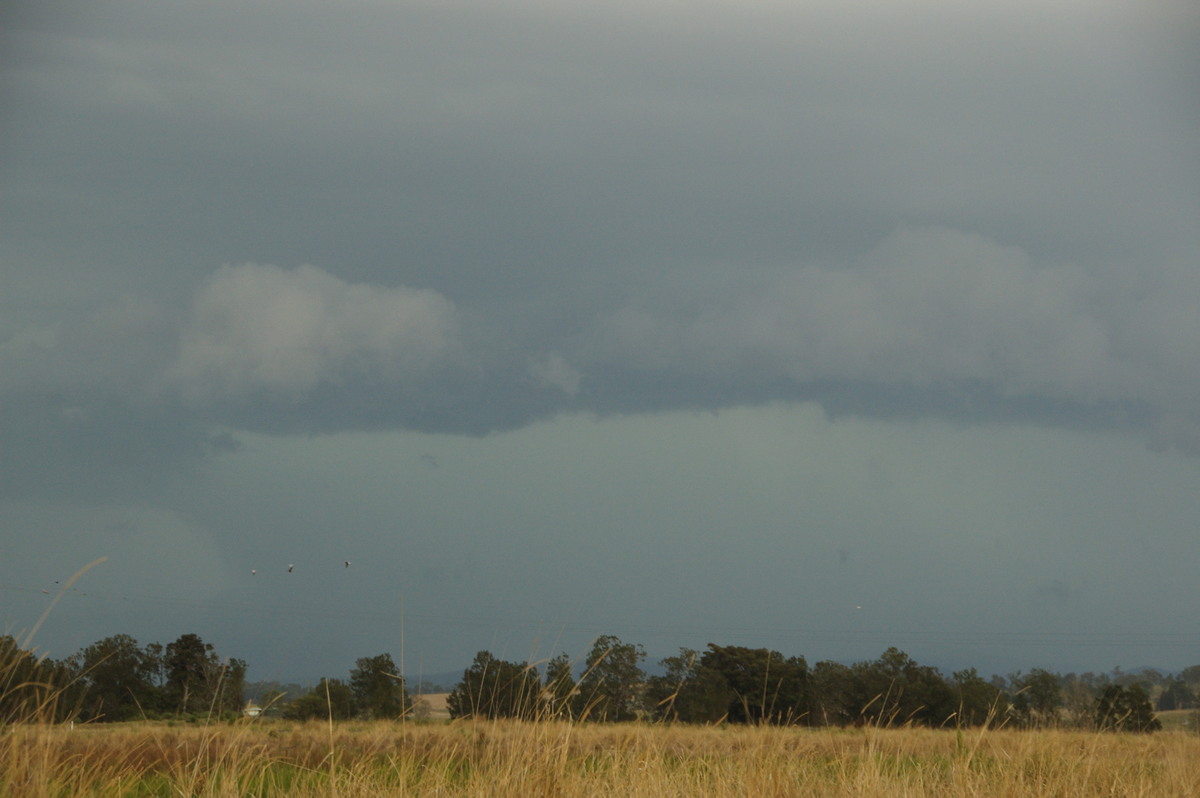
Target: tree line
[
  {"x": 116, "y": 679},
  {"x": 737, "y": 684}
]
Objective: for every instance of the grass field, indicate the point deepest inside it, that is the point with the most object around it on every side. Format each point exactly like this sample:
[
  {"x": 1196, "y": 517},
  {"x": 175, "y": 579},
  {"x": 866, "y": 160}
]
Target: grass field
[
  {"x": 1180, "y": 720},
  {"x": 275, "y": 758}
]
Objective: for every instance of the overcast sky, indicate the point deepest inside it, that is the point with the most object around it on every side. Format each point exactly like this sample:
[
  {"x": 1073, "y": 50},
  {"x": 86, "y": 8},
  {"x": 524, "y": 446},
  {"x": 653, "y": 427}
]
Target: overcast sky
[{"x": 821, "y": 326}]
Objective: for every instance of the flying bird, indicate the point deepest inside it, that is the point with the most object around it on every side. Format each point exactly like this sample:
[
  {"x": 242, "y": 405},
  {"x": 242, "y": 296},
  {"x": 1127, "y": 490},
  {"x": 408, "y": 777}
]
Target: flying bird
[
  {"x": 347, "y": 563},
  {"x": 290, "y": 567},
  {"x": 253, "y": 571}
]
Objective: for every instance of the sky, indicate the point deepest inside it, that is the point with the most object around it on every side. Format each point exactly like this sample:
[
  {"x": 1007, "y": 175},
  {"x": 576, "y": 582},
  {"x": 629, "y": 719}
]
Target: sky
[{"x": 817, "y": 326}]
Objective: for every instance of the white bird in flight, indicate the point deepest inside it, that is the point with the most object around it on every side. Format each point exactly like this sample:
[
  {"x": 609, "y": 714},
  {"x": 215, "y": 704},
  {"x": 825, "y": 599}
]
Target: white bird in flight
[{"x": 290, "y": 567}]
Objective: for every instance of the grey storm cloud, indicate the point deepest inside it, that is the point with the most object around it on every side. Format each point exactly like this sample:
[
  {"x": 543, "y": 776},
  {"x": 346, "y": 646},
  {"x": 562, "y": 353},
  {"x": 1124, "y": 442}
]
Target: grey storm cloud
[
  {"x": 294, "y": 256},
  {"x": 926, "y": 308}
]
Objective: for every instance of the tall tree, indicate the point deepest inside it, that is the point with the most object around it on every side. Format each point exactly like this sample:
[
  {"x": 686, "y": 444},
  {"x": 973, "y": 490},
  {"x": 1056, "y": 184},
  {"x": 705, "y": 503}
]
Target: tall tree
[
  {"x": 378, "y": 687},
  {"x": 834, "y": 694},
  {"x": 978, "y": 699},
  {"x": 688, "y": 692},
  {"x": 1037, "y": 698},
  {"x": 558, "y": 687},
  {"x": 1121, "y": 708},
  {"x": 116, "y": 674},
  {"x": 231, "y": 685},
  {"x": 197, "y": 681},
  {"x": 611, "y": 685},
  {"x": 34, "y": 688},
  {"x": 894, "y": 689},
  {"x": 493, "y": 688},
  {"x": 763, "y": 686}
]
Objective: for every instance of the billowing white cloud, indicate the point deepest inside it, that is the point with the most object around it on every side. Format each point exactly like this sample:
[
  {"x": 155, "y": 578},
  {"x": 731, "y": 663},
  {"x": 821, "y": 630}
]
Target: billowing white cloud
[{"x": 258, "y": 329}]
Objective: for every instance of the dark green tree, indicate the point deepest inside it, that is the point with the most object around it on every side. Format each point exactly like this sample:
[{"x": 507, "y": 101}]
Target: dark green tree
[
  {"x": 688, "y": 692},
  {"x": 895, "y": 690},
  {"x": 979, "y": 701},
  {"x": 835, "y": 696},
  {"x": 63, "y": 690},
  {"x": 1036, "y": 698},
  {"x": 116, "y": 676},
  {"x": 197, "y": 681},
  {"x": 329, "y": 699},
  {"x": 661, "y": 694},
  {"x": 558, "y": 687},
  {"x": 610, "y": 688},
  {"x": 493, "y": 688},
  {"x": 187, "y": 663},
  {"x": 874, "y": 694},
  {"x": 1121, "y": 708},
  {"x": 33, "y": 688},
  {"x": 763, "y": 686},
  {"x": 379, "y": 689},
  {"x": 230, "y": 687}
]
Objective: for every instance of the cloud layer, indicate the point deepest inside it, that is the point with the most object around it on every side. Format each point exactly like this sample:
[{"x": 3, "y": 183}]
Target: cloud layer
[
  {"x": 926, "y": 309},
  {"x": 926, "y": 312},
  {"x": 510, "y": 214}
]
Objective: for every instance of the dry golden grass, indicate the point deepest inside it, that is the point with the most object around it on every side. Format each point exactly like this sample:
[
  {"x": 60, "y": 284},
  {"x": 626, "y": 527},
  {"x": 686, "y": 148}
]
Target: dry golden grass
[{"x": 559, "y": 759}]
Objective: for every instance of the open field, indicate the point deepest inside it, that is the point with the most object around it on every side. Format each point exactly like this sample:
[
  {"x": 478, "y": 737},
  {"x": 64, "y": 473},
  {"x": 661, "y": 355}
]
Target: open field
[
  {"x": 1180, "y": 720},
  {"x": 559, "y": 759},
  {"x": 432, "y": 706}
]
